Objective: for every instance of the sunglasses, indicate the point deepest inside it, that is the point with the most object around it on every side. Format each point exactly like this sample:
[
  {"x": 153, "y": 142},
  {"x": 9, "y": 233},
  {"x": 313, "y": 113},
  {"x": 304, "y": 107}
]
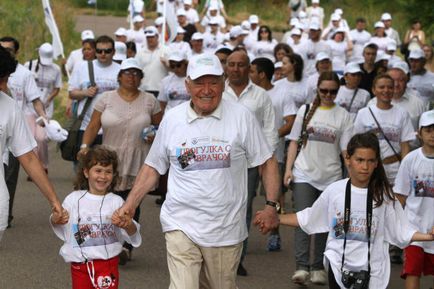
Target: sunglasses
[
  {"x": 176, "y": 65},
  {"x": 131, "y": 72},
  {"x": 106, "y": 51},
  {"x": 328, "y": 91}
]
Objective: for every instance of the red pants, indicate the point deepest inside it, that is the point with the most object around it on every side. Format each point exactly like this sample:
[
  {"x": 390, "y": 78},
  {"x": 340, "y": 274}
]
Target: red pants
[{"x": 104, "y": 273}]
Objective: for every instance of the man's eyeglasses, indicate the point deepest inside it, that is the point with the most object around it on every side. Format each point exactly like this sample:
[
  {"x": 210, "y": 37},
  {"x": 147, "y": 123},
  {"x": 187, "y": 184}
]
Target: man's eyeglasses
[
  {"x": 106, "y": 51},
  {"x": 328, "y": 91},
  {"x": 175, "y": 65}
]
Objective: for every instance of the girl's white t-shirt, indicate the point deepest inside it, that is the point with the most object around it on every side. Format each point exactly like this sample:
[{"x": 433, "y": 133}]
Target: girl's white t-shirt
[
  {"x": 265, "y": 49},
  {"x": 415, "y": 179},
  {"x": 296, "y": 90},
  {"x": 389, "y": 225},
  {"x": 345, "y": 95},
  {"x": 89, "y": 233},
  {"x": 396, "y": 124},
  {"x": 329, "y": 131},
  {"x": 173, "y": 91}
]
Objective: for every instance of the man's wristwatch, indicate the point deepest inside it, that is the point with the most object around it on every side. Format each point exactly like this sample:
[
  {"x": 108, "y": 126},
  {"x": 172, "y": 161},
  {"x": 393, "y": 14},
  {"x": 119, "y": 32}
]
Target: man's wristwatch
[
  {"x": 84, "y": 146},
  {"x": 273, "y": 204}
]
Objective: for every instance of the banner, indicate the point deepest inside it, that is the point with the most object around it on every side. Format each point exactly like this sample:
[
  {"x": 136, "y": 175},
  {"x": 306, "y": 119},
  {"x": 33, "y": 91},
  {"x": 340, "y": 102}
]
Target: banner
[
  {"x": 170, "y": 23},
  {"x": 51, "y": 23}
]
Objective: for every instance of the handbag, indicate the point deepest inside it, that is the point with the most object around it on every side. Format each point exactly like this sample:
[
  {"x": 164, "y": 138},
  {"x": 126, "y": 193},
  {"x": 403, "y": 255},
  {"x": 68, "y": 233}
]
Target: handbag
[{"x": 70, "y": 147}]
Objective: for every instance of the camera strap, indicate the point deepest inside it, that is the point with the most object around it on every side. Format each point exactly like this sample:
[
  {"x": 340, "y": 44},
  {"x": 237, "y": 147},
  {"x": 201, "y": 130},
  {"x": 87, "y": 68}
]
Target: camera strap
[{"x": 347, "y": 215}]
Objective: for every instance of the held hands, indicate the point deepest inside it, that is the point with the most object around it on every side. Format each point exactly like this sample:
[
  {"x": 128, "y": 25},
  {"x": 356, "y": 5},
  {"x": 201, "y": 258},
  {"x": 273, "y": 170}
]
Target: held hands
[
  {"x": 266, "y": 220},
  {"x": 122, "y": 218},
  {"x": 59, "y": 216}
]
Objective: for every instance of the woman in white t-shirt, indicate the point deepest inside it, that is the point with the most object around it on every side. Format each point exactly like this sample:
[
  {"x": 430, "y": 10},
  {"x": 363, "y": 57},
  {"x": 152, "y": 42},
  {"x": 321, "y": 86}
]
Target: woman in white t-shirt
[
  {"x": 264, "y": 47},
  {"x": 341, "y": 46},
  {"x": 293, "y": 84},
  {"x": 379, "y": 37},
  {"x": 179, "y": 44},
  {"x": 323, "y": 134},
  {"x": 348, "y": 242},
  {"x": 396, "y": 130}
]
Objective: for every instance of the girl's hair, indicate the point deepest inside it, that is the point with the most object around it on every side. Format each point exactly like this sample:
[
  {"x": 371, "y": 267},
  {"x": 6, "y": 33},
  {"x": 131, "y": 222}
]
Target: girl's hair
[
  {"x": 297, "y": 62},
  {"x": 381, "y": 76},
  {"x": 378, "y": 183},
  {"x": 98, "y": 155},
  {"x": 324, "y": 76},
  {"x": 282, "y": 46},
  {"x": 269, "y": 32}
]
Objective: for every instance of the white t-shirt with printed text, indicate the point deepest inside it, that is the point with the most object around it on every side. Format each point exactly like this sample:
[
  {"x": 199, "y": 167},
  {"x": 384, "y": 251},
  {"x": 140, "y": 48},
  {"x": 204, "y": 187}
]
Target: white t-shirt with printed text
[{"x": 173, "y": 91}]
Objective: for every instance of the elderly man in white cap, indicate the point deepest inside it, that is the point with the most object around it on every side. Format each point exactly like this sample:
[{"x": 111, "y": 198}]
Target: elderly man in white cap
[
  {"x": 421, "y": 79},
  {"x": 386, "y": 18},
  {"x": 49, "y": 81},
  {"x": 207, "y": 144}
]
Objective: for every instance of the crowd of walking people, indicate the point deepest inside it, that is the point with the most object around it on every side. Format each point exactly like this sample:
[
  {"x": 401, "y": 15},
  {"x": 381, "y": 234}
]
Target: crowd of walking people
[{"x": 327, "y": 118}]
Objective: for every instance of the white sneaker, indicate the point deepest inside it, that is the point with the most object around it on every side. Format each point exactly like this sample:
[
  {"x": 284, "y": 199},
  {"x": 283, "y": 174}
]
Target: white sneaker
[
  {"x": 300, "y": 277},
  {"x": 318, "y": 277}
]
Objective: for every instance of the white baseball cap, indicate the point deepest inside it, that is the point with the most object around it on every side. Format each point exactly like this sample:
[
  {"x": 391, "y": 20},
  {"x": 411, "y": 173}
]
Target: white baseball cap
[
  {"x": 391, "y": 46},
  {"x": 322, "y": 56},
  {"x": 293, "y": 21},
  {"x": 213, "y": 6},
  {"x": 253, "y": 19},
  {"x": 302, "y": 15},
  {"x": 426, "y": 119},
  {"x": 151, "y": 31},
  {"x": 235, "y": 31},
  {"x": 278, "y": 65},
  {"x": 181, "y": 12},
  {"x": 159, "y": 21},
  {"x": 381, "y": 55},
  {"x": 386, "y": 16},
  {"x": 197, "y": 36},
  {"x": 339, "y": 11},
  {"x": 46, "y": 54},
  {"x": 352, "y": 67},
  {"x": 204, "y": 64},
  {"x": 121, "y": 32},
  {"x": 87, "y": 34},
  {"x": 177, "y": 56},
  {"x": 213, "y": 21},
  {"x": 138, "y": 18},
  {"x": 180, "y": 30},
  {"x": 314, "y": 26},
  {"x": 416, "y": 54},
  {"x": 401, "y": 65},
  {"x": 120, "y": 51},
  {"x": 336, "y": 17},
  {"x": 188, "y": 2},
  {"x": 245, "y": 25},
  {"x": 295, "y": 31},
  {"x": 379, "y": 24},
  {"x": 315, "y": 1},
  {"x": 130, "y": 63}
]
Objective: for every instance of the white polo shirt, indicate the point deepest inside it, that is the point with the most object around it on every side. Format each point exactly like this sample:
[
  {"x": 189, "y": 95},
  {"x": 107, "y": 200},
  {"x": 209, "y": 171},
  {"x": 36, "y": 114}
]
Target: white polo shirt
[
  {"x": 208, "y": 159},
  {"x": 259, "y": 103}
]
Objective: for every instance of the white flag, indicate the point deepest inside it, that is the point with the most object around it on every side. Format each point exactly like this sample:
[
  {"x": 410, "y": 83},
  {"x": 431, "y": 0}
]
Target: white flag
[
  {"x": 172, "y": 24},
  {"x": 51, "y": 23}
]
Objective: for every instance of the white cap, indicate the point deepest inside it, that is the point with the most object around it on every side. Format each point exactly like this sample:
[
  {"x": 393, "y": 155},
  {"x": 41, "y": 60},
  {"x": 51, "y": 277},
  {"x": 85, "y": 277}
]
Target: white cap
[
  {"x": 379, "y": 24},
  {"x": 180, "y": 30},
  {"x": 197, "y": 36},
  {"x": 301, "y": 26},
  {"x": 222, "y": 47},
  {"x": 188, "y": 2},
  {"x": 54, "y": 131},
  {"x": 426, "y": 119},
  {"x": 213, "y": 21},
  {"x": 151, "y": 31},
  {"x": 339, "y": 11},
  {"x": 177, "y": 56},
  {"x": 381, "y": 55},
  {"x": 391, "y": 46},
  {"x": 130, "y": 63},
  {"x": 235, "y": 31},
  {"x": 339, "y": 30},
  {"x": 138, "y": 18},
  {"x": 87, "y": 34},
  {"x": 386, "y": 16},
  {"x": 401, "y": 65},
  {"x": 416, "y": 54},
  {"x": 245, "y": 25},
  {"x": 46, "y": 54},
  {"x": 204, "y": 64},
  {"x": 278, "y": 65},
  {"x": 335, "y": 17},
  {"x": 352, "y": 67},
  {"x": 295, "y": 31},
  {"x": 322, "y": 56},
  {"x": 253, "y": 19},
  {"x": 293, "y": 21},
  {"x": 302, "y": 15},
  {"x": 120, "y": 51},
  {"x": 159, "y": 21},
  {"x": 315, "y": 1},
  {"x": 314, "y": 26},
  {"x": 121, "y": 32},
  {"x": 181, "y": 12},
  {"x": 213, "y": 6}
]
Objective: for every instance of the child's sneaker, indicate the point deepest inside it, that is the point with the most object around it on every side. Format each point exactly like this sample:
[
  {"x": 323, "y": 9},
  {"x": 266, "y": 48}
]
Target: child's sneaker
[
  {"x": 273, "y": 243},
  {"x": 318, "y": 277}
]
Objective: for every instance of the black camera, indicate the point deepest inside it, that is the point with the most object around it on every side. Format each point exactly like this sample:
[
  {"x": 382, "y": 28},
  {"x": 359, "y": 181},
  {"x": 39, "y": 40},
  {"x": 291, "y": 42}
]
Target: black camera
[{"x": 359, "y": 280}]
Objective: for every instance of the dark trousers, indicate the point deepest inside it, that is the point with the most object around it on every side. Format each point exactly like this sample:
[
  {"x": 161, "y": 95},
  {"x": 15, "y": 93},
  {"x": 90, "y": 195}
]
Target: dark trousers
[
  {"x": 136, "y": 217},
  {"x": 332, "y": 280},
  {"x": 11, "y": 176}
]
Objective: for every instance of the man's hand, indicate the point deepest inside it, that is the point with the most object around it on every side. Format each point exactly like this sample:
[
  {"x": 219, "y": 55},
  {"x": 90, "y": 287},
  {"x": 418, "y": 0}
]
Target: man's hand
[
  {"x": 59, "y": 216},
  {"x": 92, "y": 91},
  {"x": 122, "y": 217},
  {"x": 266, "y": 220}
]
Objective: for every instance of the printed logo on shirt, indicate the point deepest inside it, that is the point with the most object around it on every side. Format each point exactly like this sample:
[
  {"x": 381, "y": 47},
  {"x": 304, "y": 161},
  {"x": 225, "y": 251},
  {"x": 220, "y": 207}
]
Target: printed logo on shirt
[
  {"x": 392, "y": 133},
  {"x": 93, "y": 232},
  {"x": 204, "y": 154},
  {"x": 357, "y": 229},
  {"x": 423, "y": 187},
  {"x": 174, "y": 94},
  {"x": 322, "y": 134}
]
